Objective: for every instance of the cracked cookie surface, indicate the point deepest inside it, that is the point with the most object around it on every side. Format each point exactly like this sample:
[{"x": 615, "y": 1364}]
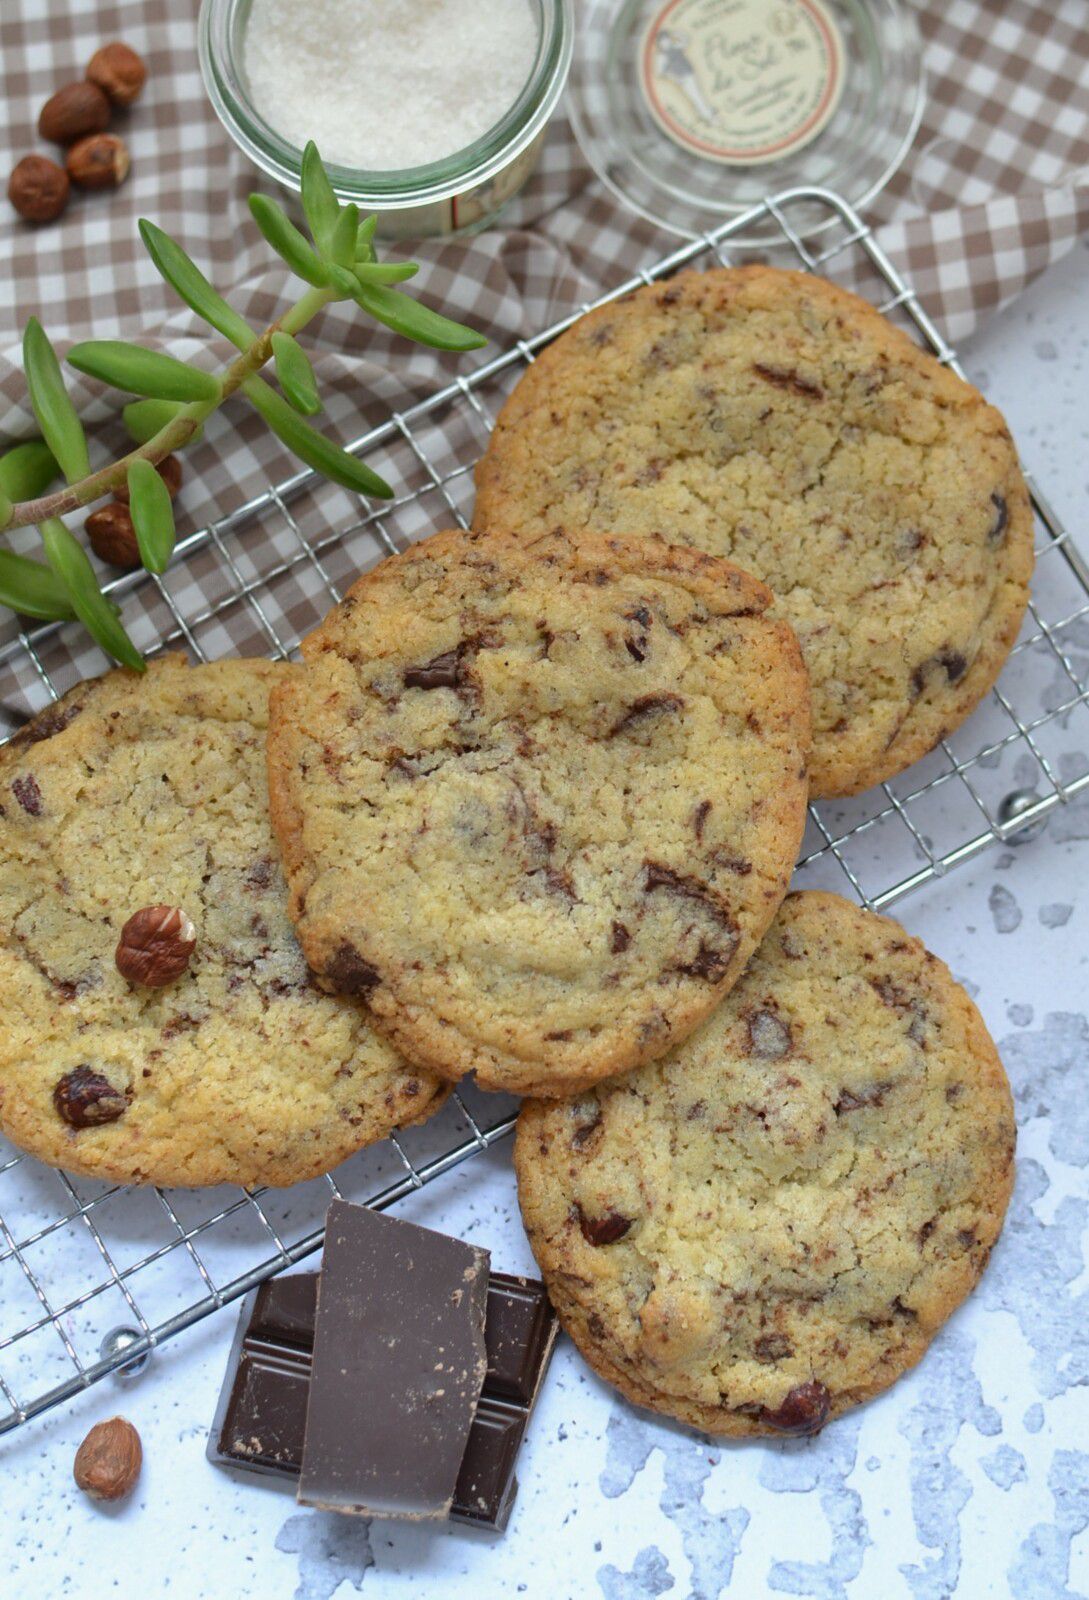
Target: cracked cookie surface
[
  {"x": 539, "y": 799},
  {"x": 135, "y": 791},
  {"x": 769, "y": 1225},
  {"x": 777, "y": 420}
]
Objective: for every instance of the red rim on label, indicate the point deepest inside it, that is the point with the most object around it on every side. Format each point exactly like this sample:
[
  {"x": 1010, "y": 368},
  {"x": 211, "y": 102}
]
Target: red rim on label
[{"x": 742, "y": 81}]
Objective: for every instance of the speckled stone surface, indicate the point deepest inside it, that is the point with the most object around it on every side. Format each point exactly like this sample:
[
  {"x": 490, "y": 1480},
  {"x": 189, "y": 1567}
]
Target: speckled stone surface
[{"x": 970, "y": 1478}]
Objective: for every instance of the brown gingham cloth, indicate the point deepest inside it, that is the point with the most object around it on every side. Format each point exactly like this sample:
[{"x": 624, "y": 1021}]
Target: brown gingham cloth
[{"x": 995, "y": 189}]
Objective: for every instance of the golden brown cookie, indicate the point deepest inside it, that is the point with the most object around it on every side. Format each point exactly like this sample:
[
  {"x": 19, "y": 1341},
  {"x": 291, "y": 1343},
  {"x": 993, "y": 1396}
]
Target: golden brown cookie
[
  {"x": 769, "y": 1225},
  {"x": 538, "y": 799},
  {"x": 149, "y": 791},
  {"x": 774, "y": 419}
]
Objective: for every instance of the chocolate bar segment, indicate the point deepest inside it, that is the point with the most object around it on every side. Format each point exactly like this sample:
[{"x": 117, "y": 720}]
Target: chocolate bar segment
[
  {"x": 519, "y": 1321},
  {"x": 261, "y": 1418},
  {"x": 486, "y": 1483},
  {"x": 398, "y": 1366}
]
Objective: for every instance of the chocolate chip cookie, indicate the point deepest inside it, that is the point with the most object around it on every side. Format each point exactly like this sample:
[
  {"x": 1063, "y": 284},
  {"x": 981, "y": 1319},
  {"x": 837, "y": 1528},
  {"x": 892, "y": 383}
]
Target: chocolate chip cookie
[
  {"x": 225, "y": 1064},
  {"x": 774, "y": 419},
  {"x": 539, "y": 798},
  {"x": 769, "y": 1225}
]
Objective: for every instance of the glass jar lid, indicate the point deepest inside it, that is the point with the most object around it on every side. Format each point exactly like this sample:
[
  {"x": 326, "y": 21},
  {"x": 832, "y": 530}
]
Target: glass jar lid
[{"x": 691, "y": 111}]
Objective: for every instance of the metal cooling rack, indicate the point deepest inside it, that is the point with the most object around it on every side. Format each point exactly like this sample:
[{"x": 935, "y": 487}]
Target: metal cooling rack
[{"x": 78, "y": 1257}]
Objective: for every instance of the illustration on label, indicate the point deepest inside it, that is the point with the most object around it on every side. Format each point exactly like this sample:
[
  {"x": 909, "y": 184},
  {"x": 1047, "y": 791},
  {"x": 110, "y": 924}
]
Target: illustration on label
[{"x": 742, "y": 81}]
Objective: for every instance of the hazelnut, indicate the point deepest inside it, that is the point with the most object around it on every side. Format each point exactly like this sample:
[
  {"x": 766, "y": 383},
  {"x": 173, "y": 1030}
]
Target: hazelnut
[
  {"x": 805, "y": 1409},
  {"x": 155, "y": 946},
  {"x": 73, "y": 112},
  {"x": 112, "y": 535},
  {"x": 118, "y": 71},
  {"x": 38, "y": 189},
  {"x": 169, "y": 470},
  {"x": 101, "y": 161},
  {"x": 108, "y": 1461},
  {"x": 85, "y": 1099}
]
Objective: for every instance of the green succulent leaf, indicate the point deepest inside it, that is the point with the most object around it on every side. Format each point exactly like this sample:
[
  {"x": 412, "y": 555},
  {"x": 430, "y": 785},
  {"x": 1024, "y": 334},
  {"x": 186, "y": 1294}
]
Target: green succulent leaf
[
  {"x": 33, "y": 589},
  {"x": 61, "y": 427},
  {"x": 343, "y": 237},
  {"x": 386, "y": 271},
  {"x": 295, "y": 373},
  {"x": 186, "y": 278},
  {"x": 407, "y": 316},
  {"x": 70, "y": 564},
  {"x": 145, "y": 418},
  {"x": 147, "y": 372},
  {"x": 364, "y": 239},
  {"x": 319, "y": 201},
  {"x": 6, "y": 510},
  {"x": 344, "y": 282},
  {"x": 27, "y": 470},
  {"x": 312, "y": 447},
  {"x": 152, "y": 515},
  {"x": 288, "y": 243}
]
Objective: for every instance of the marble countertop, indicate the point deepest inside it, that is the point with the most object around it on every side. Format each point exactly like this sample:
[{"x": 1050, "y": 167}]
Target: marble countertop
[{"x": 967, "y": 1478}]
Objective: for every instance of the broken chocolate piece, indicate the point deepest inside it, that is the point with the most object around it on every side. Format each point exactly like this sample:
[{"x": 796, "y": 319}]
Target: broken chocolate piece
[
  {"x": 950, "y": 661},
  {"x": 856, "y": 1099},
  {"x": 440, "y": 673},
  {"x": 769, "y": 1036},
  {"x": 644, "y": 709},
  {"x": 350, "y": 974},
  {"x": 261, "y": 1417},
  {"x": 398, "y": 1366},
  {"x": 707, "y": 963},
  {"x": 996, "y": 532},
  {"x": 793, "y": 381},
  {"x": 602, "y": 1230}
]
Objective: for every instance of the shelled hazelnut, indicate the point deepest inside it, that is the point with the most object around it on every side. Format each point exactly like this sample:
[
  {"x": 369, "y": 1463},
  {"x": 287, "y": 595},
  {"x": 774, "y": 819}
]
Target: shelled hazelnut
[
  {"x": 83, "y": 1098},
  {"x": 112, "y": 535},
  {"x": 38, "y": 188},
  {"x": 108, "y": 1461},
  {"x": 118, "y": 71},
  {"x": 73, "y": 112},
  {"x": 78, "y": 115},
  {"x": 100, "y": 161},
  {"x": 155, "y": 946}
]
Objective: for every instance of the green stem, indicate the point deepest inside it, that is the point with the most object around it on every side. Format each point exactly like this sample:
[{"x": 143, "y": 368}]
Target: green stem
[{"x": 179, "y": 430}]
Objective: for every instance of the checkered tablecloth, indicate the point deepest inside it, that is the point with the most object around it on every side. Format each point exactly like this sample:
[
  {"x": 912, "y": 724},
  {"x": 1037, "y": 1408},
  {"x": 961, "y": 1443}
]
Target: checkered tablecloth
[{"x": 995, "y": 189}]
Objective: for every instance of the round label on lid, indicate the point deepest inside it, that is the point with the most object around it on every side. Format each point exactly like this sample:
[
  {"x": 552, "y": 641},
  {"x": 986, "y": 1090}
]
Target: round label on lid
[{"x": 742, "y": 81}]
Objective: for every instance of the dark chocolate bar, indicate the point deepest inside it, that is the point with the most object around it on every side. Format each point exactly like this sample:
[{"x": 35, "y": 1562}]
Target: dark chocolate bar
[
  {"x": 261, "y": 1418},
  {"x": 397, "y": 1368}
]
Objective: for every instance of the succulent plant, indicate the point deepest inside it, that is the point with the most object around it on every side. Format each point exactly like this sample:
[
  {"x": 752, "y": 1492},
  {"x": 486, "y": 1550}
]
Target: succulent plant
[{"x": 337, "y": 262}]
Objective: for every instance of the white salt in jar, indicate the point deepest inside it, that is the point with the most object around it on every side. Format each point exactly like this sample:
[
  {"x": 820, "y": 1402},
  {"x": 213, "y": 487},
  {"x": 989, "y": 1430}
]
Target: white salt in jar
[{"x": 429, "y": 112}]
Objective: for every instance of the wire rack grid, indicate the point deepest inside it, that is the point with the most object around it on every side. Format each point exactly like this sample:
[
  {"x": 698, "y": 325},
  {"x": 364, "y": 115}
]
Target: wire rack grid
[{"x": 77, "y": 1257}]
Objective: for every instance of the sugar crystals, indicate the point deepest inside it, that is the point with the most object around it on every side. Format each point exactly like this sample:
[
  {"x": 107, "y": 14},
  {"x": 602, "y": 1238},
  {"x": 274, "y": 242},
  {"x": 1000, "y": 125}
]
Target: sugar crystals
[{"x": 383, "y": 84}]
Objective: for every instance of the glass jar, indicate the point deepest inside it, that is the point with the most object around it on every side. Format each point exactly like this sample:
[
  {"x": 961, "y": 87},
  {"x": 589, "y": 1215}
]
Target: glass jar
[
  {"x": 461, "y": 193},
  {"x": 692, "y": 111}
]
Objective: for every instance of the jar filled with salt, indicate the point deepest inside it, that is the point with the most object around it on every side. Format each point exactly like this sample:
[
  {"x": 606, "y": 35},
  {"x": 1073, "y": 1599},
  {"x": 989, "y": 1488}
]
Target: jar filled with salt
[{"x": 429, "y": 112}]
